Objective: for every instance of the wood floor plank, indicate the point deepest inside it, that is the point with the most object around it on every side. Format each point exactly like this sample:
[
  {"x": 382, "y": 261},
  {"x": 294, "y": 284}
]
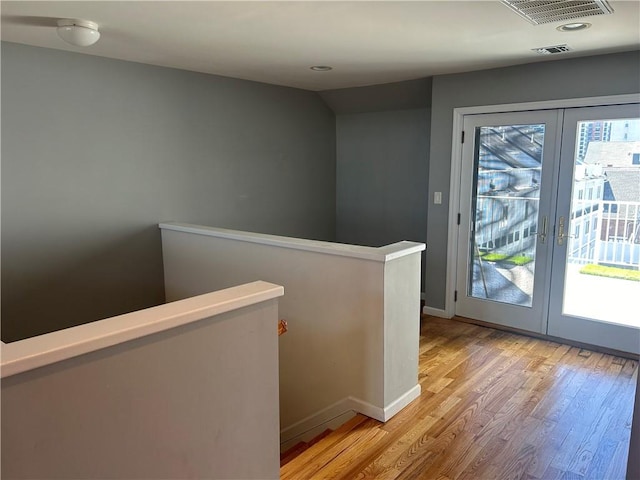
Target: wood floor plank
[
  {"x": 478, "y": 467},
  {"x": 547, "y": 448},
  {"x": 630, "y": 368},
  {"x": 519, "y": 460},
  {"x": 390, "y": 461},
  {"x": 424, "y": 446},
  {"x": 414, "y": 412},
  {"x": 493, "y": 405},
  {"x": 553, "y": 474},
  {"x": 343, "y": 463},
  {"x": 419, "y": 422},
  {"x": 620, "y": 427},
  {"x": 550, "y": 407},
  {"x": 437, "y": 385},
  {"x": 617, "y": 469},
  {"x": 538, "y": 439},
  {"x": 318, "y": 457},
  {"x": 601, "y": 459},
  {"x": 585, "y": 453},
  {"x": 459, "y": 454},
  {"x": 292, "y": 468},
  {"x": 558, "y": 354}
]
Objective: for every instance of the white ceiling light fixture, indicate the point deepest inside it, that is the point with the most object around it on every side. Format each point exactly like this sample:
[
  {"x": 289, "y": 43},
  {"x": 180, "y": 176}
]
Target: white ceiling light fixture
[
  {"x": 321, "y": 68},
  {"x": 80, "y": 33},
  {"x": 573, "y": 27}
]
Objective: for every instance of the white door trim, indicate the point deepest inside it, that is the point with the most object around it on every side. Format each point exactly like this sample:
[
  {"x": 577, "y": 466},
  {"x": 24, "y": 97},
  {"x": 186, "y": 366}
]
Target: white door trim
[{"x": 456, "y": 166}]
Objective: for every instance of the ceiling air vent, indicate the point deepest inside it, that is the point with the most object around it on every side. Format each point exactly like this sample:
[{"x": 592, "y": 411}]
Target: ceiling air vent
[
  {"x": 547, "y": 11},
  {"x": 552, "y": 50}
]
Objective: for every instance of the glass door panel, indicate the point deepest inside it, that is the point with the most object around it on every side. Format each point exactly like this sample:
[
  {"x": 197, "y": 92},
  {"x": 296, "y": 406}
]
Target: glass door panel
[
  {"x": 596, "y": 260},
  {"x": 507, "y": 168}
]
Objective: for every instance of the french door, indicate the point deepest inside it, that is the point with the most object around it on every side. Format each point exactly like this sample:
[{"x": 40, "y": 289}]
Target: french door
[
  {"x": 505, "y": 205},
  {"x": 549, "y": 227}
]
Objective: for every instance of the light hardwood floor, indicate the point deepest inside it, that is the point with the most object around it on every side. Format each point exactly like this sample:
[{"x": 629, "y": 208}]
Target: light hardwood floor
[{"x": 494, "y": 405}]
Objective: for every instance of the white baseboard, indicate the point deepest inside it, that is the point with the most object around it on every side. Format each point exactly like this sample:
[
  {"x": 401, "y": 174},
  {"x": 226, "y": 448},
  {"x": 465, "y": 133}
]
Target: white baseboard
[
  {"x": 338, "y": 413},
  {"x": 435, "y": 312},
  {"x": 316, "y": 430},
  {"x": 298, "y": 431},
  {"x": 365, "y": 408},
  {"x": 401, "y": 402},
  {"x": 385, "y": 414}
]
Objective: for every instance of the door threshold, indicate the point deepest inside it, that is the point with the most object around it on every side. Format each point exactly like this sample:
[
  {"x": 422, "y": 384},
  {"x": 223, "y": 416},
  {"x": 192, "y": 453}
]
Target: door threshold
[{"x": 541, "y": 336}]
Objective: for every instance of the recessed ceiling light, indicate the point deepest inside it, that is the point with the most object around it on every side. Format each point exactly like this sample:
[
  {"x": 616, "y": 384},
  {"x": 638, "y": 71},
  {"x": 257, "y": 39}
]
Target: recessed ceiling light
[
  {"x": 573, "y": 27},
  {"x": 321, "y": 68}
]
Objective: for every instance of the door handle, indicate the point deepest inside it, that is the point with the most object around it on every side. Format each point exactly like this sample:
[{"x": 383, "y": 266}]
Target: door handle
[
  {"x": 543, "y": 234},
  {"x": 561, "y": 235}
]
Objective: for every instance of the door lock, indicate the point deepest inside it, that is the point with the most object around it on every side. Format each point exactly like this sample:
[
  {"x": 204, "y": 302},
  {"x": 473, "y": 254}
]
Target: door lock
[
  {"x": 561, "y": 235},
  {"x": 543, "y": 234}
]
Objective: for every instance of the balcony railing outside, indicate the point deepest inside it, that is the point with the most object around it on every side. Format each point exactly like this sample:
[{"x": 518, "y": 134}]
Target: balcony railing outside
[{"x": 609, "y": 235}]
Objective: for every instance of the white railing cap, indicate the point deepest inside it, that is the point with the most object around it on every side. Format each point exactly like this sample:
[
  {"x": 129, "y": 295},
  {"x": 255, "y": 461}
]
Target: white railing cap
[
  {"x": 53, "y": 347},
  {"x": 378, "y": 254}
]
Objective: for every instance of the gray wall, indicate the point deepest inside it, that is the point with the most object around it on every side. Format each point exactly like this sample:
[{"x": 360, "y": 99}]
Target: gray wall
[
  {"x": 378, "y": 98},
  {"x": 382, "y": 141},
  {"x": 96, "y": 152},
  {"x": 382, "y": 176},
  {"x": 575, "y": 78}
]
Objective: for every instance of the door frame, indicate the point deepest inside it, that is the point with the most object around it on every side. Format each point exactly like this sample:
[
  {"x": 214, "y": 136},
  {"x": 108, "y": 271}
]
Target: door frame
[{"x": 456, "y": 166}]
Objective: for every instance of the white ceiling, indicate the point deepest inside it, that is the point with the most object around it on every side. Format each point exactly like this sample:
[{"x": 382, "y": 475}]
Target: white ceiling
[{"x": 367, "y": 42}]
